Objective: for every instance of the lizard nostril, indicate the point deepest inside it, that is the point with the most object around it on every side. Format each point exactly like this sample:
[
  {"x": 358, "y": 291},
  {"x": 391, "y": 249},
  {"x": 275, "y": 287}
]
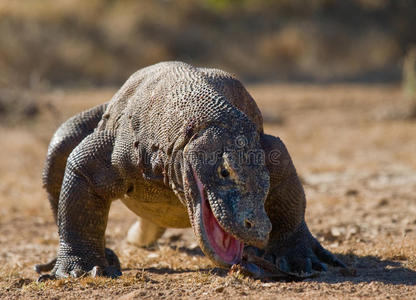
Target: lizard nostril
[{"x": 248, "y": 224}]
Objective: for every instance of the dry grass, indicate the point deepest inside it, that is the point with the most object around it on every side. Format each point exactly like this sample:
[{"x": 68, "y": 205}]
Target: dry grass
[{"x": 360, "y": 180}]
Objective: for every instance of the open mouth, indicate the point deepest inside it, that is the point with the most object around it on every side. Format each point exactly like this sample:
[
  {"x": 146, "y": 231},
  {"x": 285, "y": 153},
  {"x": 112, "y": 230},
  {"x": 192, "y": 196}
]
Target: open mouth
[{"x": 227, "y": 248}]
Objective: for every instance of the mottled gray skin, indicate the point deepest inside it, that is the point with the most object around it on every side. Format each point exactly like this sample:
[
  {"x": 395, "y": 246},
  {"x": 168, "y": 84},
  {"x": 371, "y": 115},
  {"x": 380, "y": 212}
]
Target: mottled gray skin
[{"x": 147, "y": 145}]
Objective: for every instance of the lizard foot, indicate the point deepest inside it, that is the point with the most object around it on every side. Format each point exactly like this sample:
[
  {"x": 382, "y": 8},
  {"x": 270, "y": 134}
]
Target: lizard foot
[
  {"x": 300, "y": 253},
  {"x": 109, "y": 271},
  {"x": 70, "y": 267}
]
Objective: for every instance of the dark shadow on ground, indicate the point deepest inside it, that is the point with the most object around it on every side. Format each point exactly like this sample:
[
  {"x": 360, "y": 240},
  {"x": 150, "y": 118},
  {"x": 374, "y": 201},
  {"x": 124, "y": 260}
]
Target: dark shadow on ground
[
  {"x": 190, "y": 251},
  {"x": 164, "y": 270},
  {"x": 216, "y": 271},
  {"x": 360, "y": 269},
  {"x": 368, "y": 269}
]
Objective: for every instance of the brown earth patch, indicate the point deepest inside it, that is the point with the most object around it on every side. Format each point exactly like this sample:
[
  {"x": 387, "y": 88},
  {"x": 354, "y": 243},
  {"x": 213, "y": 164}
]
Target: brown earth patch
[{"x": 359, "y": 173}]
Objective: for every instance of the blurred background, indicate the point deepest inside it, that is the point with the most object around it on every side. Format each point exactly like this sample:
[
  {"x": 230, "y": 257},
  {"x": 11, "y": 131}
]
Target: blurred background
[{"x": 95, "y": 42}]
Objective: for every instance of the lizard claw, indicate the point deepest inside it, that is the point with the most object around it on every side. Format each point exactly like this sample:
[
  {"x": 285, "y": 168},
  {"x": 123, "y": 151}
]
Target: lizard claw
[
  {"x": 304, "y": 259},
  {"x": 46, "y": 267},
  {"x": 45, "y": 277},
  {"x": 112, "y": 259},
  {"x": 283, "y": 265},
  {"x": 302, "y": 253},
  {"x": 77, "y": 273},
  {"x": 298, "y": 257},
  {"x": 109, "y": 271},
  {"x": 328, "y": 257},
  {"x": 96, "y": 271},
  {"x": 260, "y": 267},
  {"x": 112, "y": 270}
]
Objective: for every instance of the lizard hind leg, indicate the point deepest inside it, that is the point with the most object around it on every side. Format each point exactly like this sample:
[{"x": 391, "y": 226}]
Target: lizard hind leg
[{"x": 144, "y": 233}]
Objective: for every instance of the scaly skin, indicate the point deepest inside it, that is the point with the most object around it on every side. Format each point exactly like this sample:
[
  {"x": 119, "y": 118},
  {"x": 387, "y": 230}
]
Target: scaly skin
[{"x": 177, "y": 144}]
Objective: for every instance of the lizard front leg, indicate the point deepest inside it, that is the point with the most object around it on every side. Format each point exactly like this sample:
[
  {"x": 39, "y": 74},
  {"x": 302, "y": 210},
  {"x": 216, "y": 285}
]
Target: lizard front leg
[
  {"x": 90, "y": 183},
  {"x": 291, "y": 245}
]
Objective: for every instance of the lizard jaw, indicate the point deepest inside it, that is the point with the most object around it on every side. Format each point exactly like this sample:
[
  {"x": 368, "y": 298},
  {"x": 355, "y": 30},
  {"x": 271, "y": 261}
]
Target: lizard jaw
[{"x": 223, "y": 247}]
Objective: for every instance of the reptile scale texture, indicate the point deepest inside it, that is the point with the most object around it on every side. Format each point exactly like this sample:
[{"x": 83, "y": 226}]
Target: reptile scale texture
[{"x": 180, "y": 146}]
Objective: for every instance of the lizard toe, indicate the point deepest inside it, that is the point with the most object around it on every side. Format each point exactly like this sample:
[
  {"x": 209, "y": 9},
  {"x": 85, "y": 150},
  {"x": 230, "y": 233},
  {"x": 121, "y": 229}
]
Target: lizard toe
[
  {"x": 109, "y": 271},
  {"x": 77, "y": 273},
  {"x": 283, "y": 265},
  {"x": 299, "y": 264},
  {"x": 112, "y": 258},
  {"x": 318, "y": 265},
  {"x": 45, "y": 277},
  {"x": 270, "y": 257},
  {"x": 327, "y": 257},
  {"x": 46, "y": 267},
  {"x": 96, "y": 272},
  {"x": 302, "y": 253},
  {"x": 112, "y": 272},
  {"x": 302, "y": 260}
]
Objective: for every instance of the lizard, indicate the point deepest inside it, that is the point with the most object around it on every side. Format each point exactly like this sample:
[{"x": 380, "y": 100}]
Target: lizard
[{"x": 180, "y": 146}]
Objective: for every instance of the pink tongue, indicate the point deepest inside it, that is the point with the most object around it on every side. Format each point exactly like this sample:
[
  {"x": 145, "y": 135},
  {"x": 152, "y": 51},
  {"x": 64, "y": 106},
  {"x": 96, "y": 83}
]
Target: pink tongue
[
  {"x": 229, "y": 249},
  {"x": 224, "y": 244}
]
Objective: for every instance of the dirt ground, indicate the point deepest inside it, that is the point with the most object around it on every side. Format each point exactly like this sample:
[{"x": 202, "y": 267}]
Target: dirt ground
[{"x": 355, "y": 155}]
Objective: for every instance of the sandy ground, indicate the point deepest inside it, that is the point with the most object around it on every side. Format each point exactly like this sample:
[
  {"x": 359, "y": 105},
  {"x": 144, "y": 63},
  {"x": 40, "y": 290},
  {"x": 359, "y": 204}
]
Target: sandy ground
[{"x": 357, "y": 162}]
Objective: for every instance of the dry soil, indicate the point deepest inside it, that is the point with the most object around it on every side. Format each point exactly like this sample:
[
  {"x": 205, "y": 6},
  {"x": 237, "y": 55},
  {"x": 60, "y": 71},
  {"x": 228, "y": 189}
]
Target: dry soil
[{"x": 356, "y": 157}]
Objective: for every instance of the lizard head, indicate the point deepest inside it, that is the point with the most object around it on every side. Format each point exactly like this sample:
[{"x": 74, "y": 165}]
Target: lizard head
[{"x": 225, "y": 184}]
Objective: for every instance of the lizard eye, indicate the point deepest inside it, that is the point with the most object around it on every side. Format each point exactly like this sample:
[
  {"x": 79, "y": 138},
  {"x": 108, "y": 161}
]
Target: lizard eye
[{"x": 224, "y": 173}]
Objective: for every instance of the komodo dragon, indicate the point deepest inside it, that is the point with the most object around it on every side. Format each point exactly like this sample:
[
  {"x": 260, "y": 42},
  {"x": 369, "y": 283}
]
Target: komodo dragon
[{"x": 180, "y": 146}]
